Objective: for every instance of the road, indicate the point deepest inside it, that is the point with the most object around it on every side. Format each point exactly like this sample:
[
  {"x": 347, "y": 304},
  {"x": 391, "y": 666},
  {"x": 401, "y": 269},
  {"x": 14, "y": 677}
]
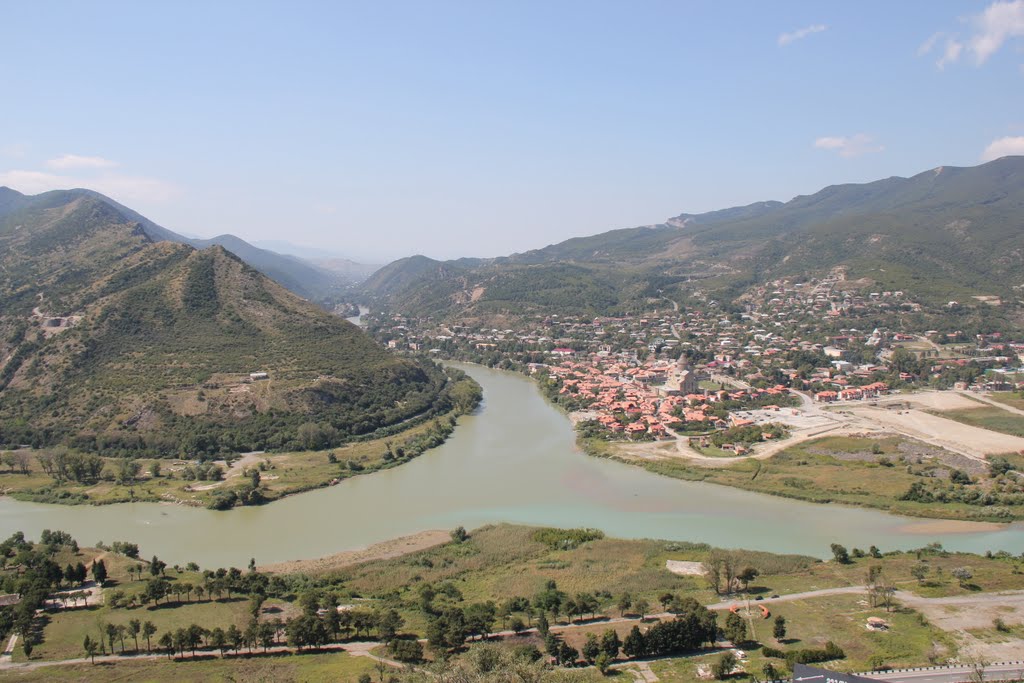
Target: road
[
  {"x": 961, "y": 674},
  {"x": 991, "y": 401}
]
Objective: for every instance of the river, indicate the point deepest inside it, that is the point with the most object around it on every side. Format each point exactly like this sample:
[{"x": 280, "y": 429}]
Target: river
[{"x": 514, "y": 461}]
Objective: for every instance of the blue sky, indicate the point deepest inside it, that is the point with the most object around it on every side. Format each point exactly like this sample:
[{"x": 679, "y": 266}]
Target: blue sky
[{"x": 383, "y": 129}]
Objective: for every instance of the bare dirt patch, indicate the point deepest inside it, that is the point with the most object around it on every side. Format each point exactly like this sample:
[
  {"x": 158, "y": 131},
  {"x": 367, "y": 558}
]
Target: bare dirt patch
[
  {"x": 949, "y": 526},
  {"x": 960, "y": 613},
  {"x": 684, "y": 568},
  {"x": 940, "y": 400},
  {"x": 971, "y": 441},
  {"x": 379, "y": 551}
]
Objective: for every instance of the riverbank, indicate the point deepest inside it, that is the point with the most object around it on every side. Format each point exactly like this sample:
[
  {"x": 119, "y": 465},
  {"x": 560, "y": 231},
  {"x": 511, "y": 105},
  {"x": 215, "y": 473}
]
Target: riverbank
[
  {"x": 206, "y": 484},
  {"x": 243, "y": 480},
  {"x": 384, "y": 550},
  {"x": 846, "y": 470}
]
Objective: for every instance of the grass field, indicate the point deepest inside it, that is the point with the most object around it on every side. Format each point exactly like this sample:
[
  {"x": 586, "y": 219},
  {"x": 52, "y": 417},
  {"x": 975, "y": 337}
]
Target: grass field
[
  {"x": 834, "y": 469},
  {"x": 314, "y": 668},
  {"x": 910, "y": 640},
  {"x": 989, "y": 417},
  {"x": 1010, "y": 398}
]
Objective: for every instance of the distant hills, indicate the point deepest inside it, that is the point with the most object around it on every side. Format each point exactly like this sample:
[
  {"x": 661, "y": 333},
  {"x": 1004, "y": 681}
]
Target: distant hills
[
  {"x": 325, "y": 282},
  {"x": 116, "y": 336},
  {"x": 946, "y": 233}
]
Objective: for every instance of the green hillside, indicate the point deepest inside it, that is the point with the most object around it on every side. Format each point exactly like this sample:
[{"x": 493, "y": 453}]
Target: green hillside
[
  {"x": 947, "y": 233},
  {"x": 110, "y": 341},
  {"x": 298, "y": 275}
]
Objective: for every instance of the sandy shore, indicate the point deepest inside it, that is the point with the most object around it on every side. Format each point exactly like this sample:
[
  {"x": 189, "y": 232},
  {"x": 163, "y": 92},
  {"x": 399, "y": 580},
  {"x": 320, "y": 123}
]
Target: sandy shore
[
  {"x": 949, "y": 526},
  {"x": 384, "y": 550}
]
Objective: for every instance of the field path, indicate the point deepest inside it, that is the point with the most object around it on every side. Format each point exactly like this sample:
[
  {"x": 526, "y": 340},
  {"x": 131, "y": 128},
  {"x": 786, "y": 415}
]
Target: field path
[{"x": 992, "y": 402}]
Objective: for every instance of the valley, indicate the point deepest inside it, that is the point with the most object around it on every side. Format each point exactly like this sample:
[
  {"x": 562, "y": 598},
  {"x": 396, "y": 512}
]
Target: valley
[{"x": 715, "y": 406}]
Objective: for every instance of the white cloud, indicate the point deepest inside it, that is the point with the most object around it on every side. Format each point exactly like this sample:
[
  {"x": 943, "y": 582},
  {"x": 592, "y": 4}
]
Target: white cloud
[
  {"x": 849, "y": 146},
  {"x": 1001, "y": 21},
  {"x": 1004, "y": 147},
  {"x": 950, "y": 54},
  {"x": 68, "y": 161},
  {"x": 800, "y": 33},
  {"x": 124, "y": 188},
  {"x": 926, "y": 47}
]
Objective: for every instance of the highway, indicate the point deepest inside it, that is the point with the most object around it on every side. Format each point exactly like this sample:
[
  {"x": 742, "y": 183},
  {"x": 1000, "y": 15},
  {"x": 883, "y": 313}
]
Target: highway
[{"x": 962, "y": 674}]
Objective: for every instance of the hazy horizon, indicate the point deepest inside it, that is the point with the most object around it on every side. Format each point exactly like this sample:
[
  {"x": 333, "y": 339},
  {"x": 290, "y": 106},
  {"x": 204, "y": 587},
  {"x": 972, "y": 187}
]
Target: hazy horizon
[{"x": 456, "y": 129}]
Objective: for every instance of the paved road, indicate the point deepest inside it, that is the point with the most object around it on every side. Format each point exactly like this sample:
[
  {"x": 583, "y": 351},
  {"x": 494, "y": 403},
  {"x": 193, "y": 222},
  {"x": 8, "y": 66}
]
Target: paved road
[
  {"x": 356, "y": 649},
  {"x": 1011, "y": 672}
]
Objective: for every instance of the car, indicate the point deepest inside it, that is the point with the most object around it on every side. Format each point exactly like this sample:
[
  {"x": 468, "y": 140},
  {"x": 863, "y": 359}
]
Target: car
[{"x": 775, "y": 595}]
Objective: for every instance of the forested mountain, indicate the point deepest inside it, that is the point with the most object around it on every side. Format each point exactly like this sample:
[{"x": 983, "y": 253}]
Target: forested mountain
[
  {"x": 943, "y": 234},
  {"x": 110, "y": 339},
  {"x": 310, "y": 281}
]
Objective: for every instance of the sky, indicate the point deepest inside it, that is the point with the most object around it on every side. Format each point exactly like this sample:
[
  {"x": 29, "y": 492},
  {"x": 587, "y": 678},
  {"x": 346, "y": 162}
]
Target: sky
[{"x": 377, "y": 130}]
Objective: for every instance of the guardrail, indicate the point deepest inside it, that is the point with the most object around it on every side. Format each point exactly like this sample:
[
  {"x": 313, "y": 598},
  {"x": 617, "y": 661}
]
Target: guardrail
[{"x": 868, "y": 674}]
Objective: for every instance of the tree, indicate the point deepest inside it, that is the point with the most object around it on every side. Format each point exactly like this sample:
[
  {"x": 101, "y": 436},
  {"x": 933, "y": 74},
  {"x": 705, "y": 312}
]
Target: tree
[
  {"x": 459, "y": 534},
  {"x": 111, "y": 633},
  {"x": 591, "y": 648},
  {"x": 542, "y": 625},
  {"x": 746, "y": 575},
  {"x": 388, "y": 624},
  {"x": 641, "y": 606},
  {"x": 148, "y": 631},
  {"x": 634, "y": 645},
  {"x": 166, "y": 642},
  {"x": 480, "y": 618},
  {"x": 840, "y": 554},
  {"x": 571, "y": 609},
  {"x": 962, "y": 575},
  {"x": 779, "y": 628},
  {"x": 157, "y": 566},
  {"x": 735, "y": 628},
  {"x": 234, "y": 637},
  {"x": 919, "y": 571},
  {"x": 603, "y": 662},
  {"x": 99, "y": 571},
  {"x": 567, "y": 654},
  {"x": 90, "y": 647},
  {"x": 724, "y": 665},
  {"x": 770, "y": 671},
  {"x": 219, "y": 640},
  {"x": 625, "y": 602},
  {"x": 251, "y": 636},
  {"x": 610, "y": 643},
  {"x": 134, "y": 628},
  {"x": 403, "y": 650}
]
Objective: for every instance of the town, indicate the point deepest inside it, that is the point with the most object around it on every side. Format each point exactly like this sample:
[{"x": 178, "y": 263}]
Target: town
[{"x": 723, "y": 377}]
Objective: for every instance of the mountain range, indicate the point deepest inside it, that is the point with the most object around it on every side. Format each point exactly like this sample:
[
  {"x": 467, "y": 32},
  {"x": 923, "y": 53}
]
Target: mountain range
[
  {"x": 325, "y": 282},
  {"x": 947, "y": 233},
  {"x": 117, "y": 336}
]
